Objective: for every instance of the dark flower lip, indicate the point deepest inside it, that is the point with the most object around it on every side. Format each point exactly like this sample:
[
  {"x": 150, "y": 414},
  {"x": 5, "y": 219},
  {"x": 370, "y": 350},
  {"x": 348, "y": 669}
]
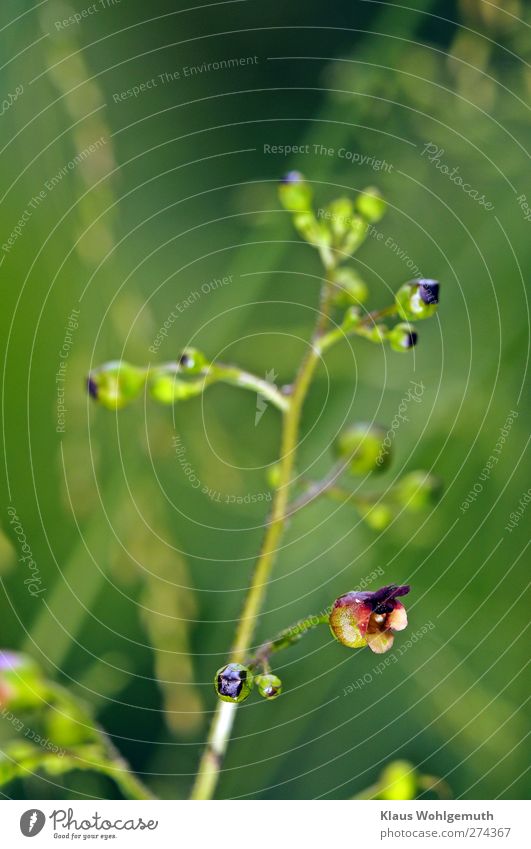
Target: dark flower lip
[
  {"x": 429, "y": 291},
  {"x": 383, "y": 600},
  {"x": 410, "y": 339},
  {"x": 92, "y": 388}
]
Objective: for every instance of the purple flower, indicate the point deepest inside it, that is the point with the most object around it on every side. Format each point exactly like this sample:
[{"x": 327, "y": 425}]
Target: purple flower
[{"x": 292, "y": 177}]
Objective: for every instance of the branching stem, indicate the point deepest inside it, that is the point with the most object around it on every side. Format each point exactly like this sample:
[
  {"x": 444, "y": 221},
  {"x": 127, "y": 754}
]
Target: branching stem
[{"x": 211, "y": 762}]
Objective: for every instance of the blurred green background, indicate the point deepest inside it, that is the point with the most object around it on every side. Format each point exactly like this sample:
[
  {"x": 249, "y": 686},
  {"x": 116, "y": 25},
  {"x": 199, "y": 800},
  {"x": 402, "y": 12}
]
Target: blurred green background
[{"x": 144, "y": 574}]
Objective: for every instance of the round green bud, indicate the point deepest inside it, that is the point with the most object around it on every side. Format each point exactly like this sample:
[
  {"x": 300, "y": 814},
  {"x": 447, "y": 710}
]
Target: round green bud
[
  {"x": 402, "y": 337},
  {"x": 418, "y": 299},
  {"x": 269, "y": 686},
  {"x": 378, "y": 517},
  {"x": 193, "y": 361},
  {"x": 349, "y": 288},
  {"x": 273, "y": 474},
  {"x": 351, "y": 318},
  {"x": 294, "y": 192},
  {"x": 418, "y": 490},
  {"x": 398, "y": 782},
  {"x": 116, "y": 384},
  {"x": 371, "y": 204},
  {"x": 339, "y": 215},
  {"x": 363, "y": 445},
  {"x": 233, "y": 682}
]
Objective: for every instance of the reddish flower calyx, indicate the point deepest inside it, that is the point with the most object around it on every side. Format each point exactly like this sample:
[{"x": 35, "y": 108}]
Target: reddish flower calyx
[{"x": 363, "y": 618}]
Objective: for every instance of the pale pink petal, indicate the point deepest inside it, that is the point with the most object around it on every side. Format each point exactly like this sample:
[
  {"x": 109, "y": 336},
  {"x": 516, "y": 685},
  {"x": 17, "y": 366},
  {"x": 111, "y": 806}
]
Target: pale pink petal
[
  {"x": 380, "y": 641},
  {"x": 397, "y": 619}
]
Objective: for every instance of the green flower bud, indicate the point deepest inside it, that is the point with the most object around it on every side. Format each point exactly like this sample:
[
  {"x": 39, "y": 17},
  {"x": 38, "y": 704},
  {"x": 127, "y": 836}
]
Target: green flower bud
[
  {"x": 233, "y": 682},
  {"x": 294, "y": 192},
  {"x": 355, "y": 235},
  {"x": 193, "y": 361},
  {"x": 349, "y": 288},
  {"x": 67, "y": 726},
  {"x": 116, "y": 384},
  {"x": 339, "y": 215},
  {"x": 362, "y": 444},
  {"x": 402, "y": 337},
  {"x": 418, "y": 490},
  {"x": 166, "y": 387},
  {"x": 398, "y": 782},
  {"x": 312, "y": 230},
  {"x": 418, "y": 299},
  {"x": 378, "y": 517},
  {"x": 371, "y": 204},
  {"x": 351, "y": 318},
  {"x": 269, "y": 686}
]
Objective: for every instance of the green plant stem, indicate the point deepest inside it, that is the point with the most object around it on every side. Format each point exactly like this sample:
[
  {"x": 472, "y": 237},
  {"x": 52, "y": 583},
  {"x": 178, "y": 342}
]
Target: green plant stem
[
  {"x": 129, "y": 784},
  {"x": 245, "y": 380},
  {"x": 317, "y": 488},
  {"x": 114, "y": 765},
  {"x": 363, "y": 327},
  {"x": 285, "y": 639},
  {"x": 219, "y": 373},
  {"x": 217, "y": 742},
  {"x": 376, "y": 315}
]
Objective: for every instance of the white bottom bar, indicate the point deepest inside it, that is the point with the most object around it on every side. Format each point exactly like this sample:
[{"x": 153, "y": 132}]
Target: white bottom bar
[{"x": 263, "y": 824}]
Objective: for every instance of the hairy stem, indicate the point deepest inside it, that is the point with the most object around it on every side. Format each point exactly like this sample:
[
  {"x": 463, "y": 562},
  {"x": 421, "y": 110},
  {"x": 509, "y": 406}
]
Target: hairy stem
[
  {"x": 286, "y": 639},
  {"x": 218, "y": 739}
]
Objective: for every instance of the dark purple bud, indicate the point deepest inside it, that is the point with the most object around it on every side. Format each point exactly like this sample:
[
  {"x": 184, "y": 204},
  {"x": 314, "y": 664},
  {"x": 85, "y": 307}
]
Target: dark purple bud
[
  {"x": 429, "y": 291},
  {"x": 233, "y": 682}
]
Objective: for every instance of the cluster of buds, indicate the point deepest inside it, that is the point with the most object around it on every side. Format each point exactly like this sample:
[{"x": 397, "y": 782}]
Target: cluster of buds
[
  {"x": 336, "y": 231},
  {"x": 350, "y": 292},
  {"x": 234, "y": 683},
  {"x": 365, "y": 448},
  {"x": 118, "y": 383}
]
